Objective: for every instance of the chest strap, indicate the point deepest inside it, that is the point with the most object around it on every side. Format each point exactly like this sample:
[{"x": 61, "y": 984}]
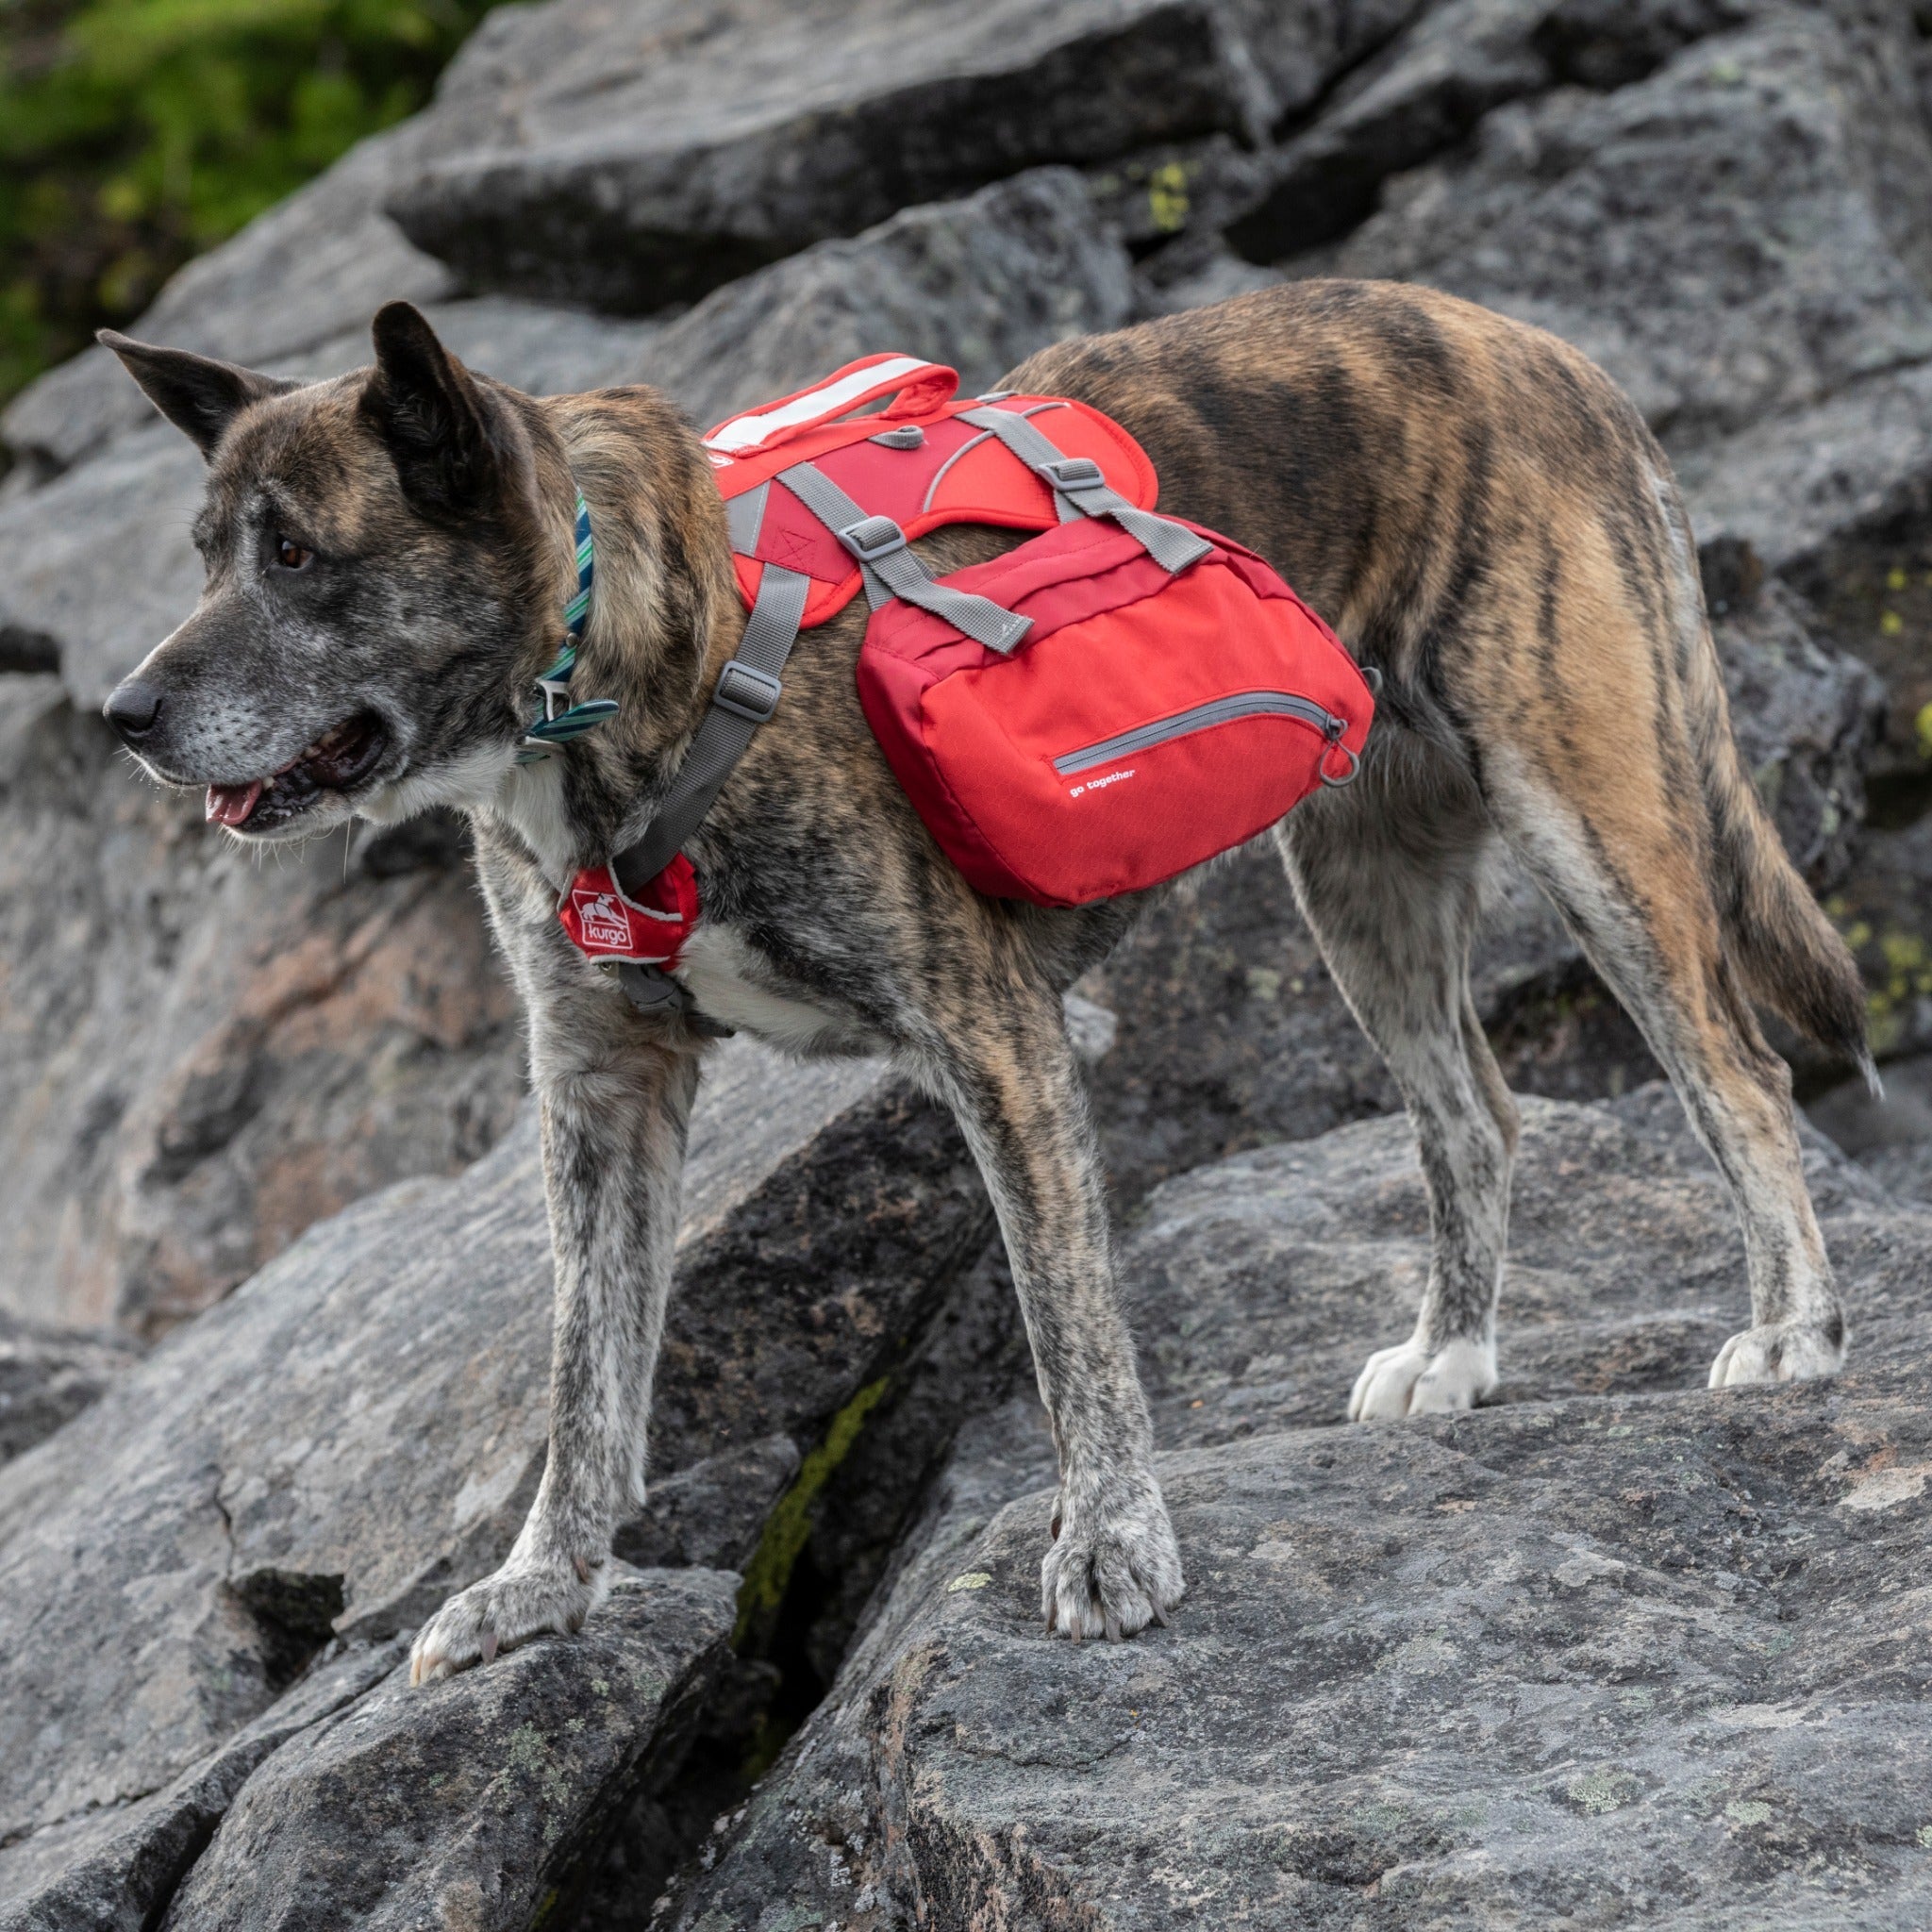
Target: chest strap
[
  {"x": 745, "y": 696},
  {"x": 1079, "y": 488},
  {"x": 890, "y": 567}
]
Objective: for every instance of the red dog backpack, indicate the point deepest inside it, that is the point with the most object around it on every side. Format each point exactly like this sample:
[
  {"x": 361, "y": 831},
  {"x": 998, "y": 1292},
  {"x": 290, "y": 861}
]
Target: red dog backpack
[{"x": 1109, "y": 704}]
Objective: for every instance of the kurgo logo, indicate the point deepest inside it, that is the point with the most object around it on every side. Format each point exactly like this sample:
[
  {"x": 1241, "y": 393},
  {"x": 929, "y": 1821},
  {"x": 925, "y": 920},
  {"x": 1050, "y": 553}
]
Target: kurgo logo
[
  {"x": 603, "y": 922},
  {"x": 1100, "y": 784}
]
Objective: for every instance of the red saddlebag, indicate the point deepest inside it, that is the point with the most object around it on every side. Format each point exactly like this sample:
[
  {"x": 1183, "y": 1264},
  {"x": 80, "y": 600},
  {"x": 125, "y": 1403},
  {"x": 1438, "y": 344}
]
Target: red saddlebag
[{"x": 1146, "y": 721}]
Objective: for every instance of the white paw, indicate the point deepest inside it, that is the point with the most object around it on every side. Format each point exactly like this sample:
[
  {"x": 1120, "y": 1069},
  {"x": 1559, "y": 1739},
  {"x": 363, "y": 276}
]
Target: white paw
[
  {"x": 1113, "y": 1569},
  {"x": 523, "y": 1600},
  {"x": 1779, "y": 1351},
  {"x": 1407, "y": 1380}
]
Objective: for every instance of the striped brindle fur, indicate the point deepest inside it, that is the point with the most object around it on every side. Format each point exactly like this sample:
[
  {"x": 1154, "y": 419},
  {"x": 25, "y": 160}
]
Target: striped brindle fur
[{"x": 1471, "y": 506}]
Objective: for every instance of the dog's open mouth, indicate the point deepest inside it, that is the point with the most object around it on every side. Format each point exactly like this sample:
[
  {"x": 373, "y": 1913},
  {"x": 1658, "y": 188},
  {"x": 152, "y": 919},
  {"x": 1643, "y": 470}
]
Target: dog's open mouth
[{"x": 339, "y": 758}]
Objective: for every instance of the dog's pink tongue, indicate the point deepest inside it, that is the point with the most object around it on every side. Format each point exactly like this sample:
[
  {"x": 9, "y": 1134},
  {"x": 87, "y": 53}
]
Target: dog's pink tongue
[{"x": 229, "y": 805}]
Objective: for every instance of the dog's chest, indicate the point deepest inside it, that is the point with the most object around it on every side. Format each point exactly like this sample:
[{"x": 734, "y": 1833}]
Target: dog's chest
[{"x": 732, "y": 984}]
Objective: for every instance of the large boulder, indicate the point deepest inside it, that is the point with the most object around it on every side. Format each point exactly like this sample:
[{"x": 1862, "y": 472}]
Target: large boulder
[
  {"x": 1614, "y": 1648},
  {"x": 1421, "y": 95},
  {"x": 642, "y": 154},
  {"x": 359, "y": 1431},
  {"x": 472, "y": 1803},
  {"x": 1741, "y": 233},
  {"x": 1740, "y": 237}
]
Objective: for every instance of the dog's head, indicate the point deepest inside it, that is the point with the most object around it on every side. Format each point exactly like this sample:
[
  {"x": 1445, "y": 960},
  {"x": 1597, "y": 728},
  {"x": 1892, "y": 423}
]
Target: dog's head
[{"x": 382, "y": 576}]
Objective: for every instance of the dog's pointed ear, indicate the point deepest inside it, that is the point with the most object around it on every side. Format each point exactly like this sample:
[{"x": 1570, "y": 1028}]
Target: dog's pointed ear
[
  {"x": 197, "y": 394},
  {"x": 438, "y": 425}
]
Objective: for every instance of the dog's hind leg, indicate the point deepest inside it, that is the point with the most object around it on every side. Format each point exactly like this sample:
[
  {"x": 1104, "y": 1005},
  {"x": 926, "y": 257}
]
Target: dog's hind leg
[
  {"x": 1000, "y": 1055},
  {"x": 1618, "y": 786},
  {"x": 1389, "y": 875},
  {"x": 1638, "y": 899}
]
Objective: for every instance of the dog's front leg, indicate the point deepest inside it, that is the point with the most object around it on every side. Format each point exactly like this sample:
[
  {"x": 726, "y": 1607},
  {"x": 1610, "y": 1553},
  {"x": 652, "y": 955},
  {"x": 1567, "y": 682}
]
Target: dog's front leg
[
  {"x": 1009, "y": 1072},
  {"x": 615, "y": 1107}
]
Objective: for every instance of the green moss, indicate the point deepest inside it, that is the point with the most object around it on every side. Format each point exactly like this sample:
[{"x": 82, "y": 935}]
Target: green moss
[
  {"x": 789, "y": 1524},
  {"x": 134, "y": 133},
  {"x": 1167, "y": 197}
]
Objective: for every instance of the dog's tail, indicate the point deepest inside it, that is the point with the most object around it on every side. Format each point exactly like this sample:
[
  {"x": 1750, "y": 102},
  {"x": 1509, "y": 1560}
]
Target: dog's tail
[{"x": 1787, "y": 952}]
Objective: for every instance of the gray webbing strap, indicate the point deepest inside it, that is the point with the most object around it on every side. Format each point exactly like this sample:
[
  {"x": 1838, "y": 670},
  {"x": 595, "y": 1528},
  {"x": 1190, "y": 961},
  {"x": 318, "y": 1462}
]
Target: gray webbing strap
[
  {"x": 746, "y": 695},
  {"x": 879, "y": 544},
  {"x": 1077, "y": 481},
  {"x": 745, "y": 515}
]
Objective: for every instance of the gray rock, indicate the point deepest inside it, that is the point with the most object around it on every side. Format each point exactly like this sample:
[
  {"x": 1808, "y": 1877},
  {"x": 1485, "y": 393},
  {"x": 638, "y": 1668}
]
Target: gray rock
[
  {"x": 99, "y": 563},
  {"x": 1889, "y": 1137},
  {"x": 663, "y": 148},
  {"x": 1837, "y": 499},
  {"x": 1806, "y": 719},
  {"x": 360, "y": 1430},
  {"x": 1885, "y": 912},
  {"x": 978, "y": 284},
  {"x": 1637, "y": 1657},
  {"x": 471, "y": 1802},
  {"x": 48, "y": 1375},
  {"x": 1726, "y": 236},
  {"x": 113, "y": 1869},
  {"x": 1424, "y": 93}
]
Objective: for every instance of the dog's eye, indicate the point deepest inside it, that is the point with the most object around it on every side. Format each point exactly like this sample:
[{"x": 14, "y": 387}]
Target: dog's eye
[{"x": 290, "y": 554}]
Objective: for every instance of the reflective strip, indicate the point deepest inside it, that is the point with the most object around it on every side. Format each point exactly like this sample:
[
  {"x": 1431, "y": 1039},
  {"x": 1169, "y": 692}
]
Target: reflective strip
[
  {"x": 985, "y": 435},
  {"x": 1241, "y": 704},
  {"x": 742, "y": 432}
]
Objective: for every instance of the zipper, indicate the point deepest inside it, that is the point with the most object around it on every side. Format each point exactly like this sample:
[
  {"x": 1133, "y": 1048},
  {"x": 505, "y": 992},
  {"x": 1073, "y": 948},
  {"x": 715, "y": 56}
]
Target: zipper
[{"x": 1241, "y": 704}]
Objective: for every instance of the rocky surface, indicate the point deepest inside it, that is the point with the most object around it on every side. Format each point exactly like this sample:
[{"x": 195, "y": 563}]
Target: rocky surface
[
  {"x": 325, "y": 1455},
  {"x": 470, "y": 1802},
  {"x": 1610, "y": 1651},
  {"x": 1614, "y": 1651},
  {"x": 721, "y": 136},
  {"x": 48, "y": 1375}
]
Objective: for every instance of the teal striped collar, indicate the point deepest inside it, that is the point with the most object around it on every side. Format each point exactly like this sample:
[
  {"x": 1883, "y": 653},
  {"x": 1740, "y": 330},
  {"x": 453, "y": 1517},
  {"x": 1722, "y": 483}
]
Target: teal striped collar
[{"x": 560, "y": 721}]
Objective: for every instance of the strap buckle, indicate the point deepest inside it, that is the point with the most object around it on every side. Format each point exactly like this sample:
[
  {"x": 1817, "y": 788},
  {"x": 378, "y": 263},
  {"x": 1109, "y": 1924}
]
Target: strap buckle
[
  {"x": 871, "y": 537},
  {"x": 748, "y": 692},
  {"x": 1072, "y": 474}
]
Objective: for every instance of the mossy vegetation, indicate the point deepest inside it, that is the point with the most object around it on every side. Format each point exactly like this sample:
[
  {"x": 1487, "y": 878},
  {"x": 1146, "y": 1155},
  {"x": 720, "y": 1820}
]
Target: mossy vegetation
[{"x": 135, "y": 133}]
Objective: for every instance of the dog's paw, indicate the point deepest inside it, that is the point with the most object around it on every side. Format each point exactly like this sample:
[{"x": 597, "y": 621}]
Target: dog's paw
[
  {"x": 1407, "y": 1380},
  {"x": 1779, "y": 1351},
  {"x": 1113, "y": 1569},
  {"x": 521, "y": 1601}
]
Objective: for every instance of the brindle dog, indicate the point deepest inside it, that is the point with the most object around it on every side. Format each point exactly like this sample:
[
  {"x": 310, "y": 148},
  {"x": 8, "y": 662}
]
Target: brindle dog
[{"x": 1470, "y": 504}]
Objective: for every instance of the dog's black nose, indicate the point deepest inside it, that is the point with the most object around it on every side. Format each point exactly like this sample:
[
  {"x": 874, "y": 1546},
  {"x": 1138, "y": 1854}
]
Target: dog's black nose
[{"x": 132, "y": 709}]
